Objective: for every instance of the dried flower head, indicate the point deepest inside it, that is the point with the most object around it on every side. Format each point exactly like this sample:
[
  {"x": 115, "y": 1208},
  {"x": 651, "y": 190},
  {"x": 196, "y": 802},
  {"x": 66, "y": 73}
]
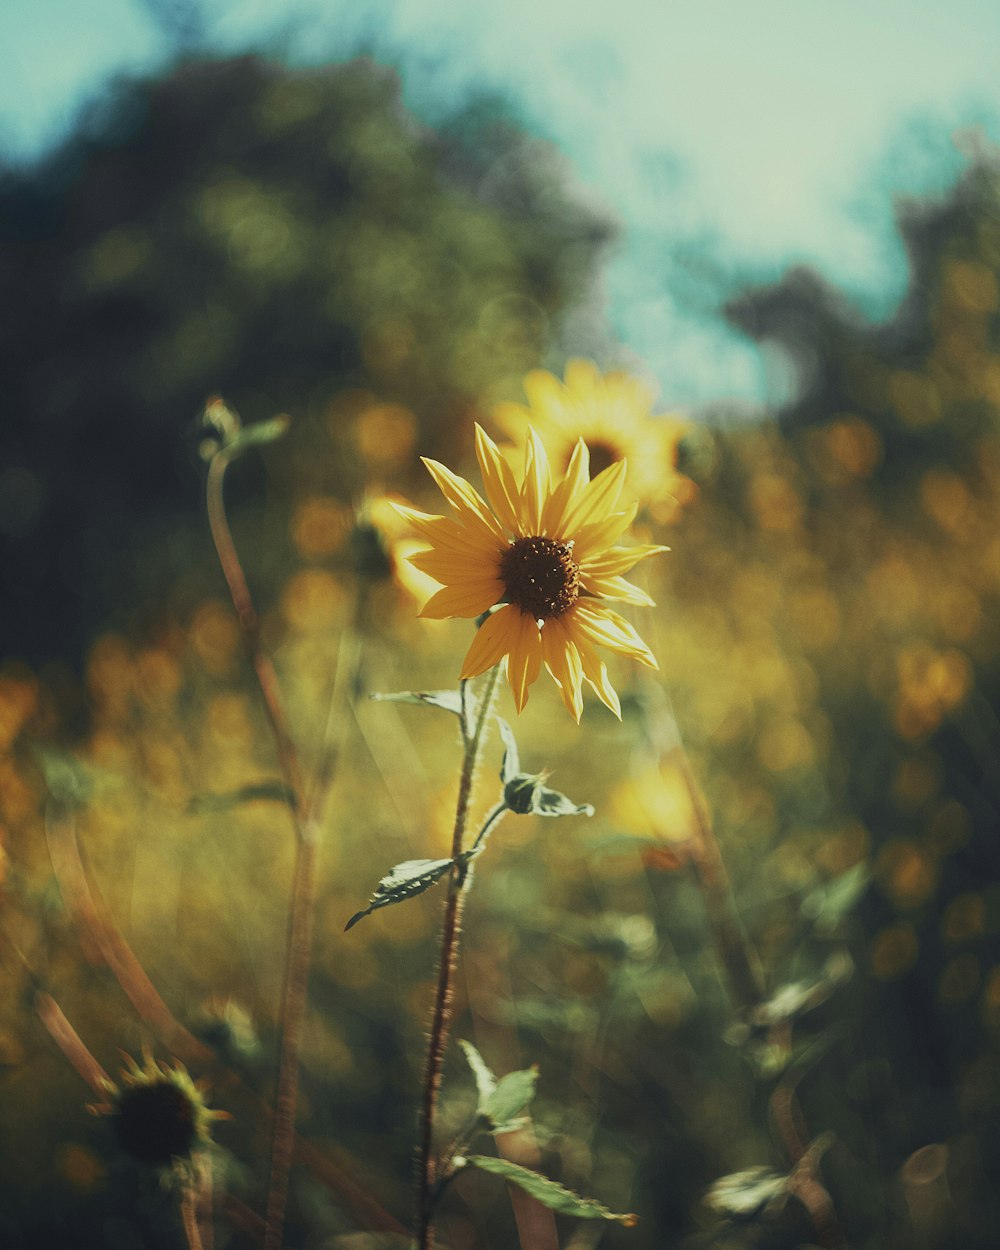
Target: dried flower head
[{"x": 158, "y": 1113}]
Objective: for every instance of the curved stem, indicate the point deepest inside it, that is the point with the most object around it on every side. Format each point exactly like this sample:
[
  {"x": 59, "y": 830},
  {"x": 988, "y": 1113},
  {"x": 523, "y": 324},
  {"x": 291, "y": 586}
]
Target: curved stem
[
  {"x": 305, "y": 812},
  {"x": 451, "y": 929}
]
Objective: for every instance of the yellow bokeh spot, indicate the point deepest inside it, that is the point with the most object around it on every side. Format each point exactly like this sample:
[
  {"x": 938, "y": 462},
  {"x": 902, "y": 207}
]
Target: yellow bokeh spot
[
  {"x": 320, "y": 526},
  {"x": 215, "y": 636},
  {"x": 914, "y": 398},
  {"x": 785, "y": 744},
  {"x": 312, "y": 600},
  {"x": 775, "y": 502},
  {"x": 79, "y": 1167},
  {"x": 158, "y": 677},
  {"x": 946, "y": 498},
  {"x": 18, "y": 700},
  {"x": 385, "y": 435},
  {"x": 969, "y": 286},
  {"x": 853, "y": 446},
  {"x": 907, "y": 872},
  {"x": 894, "y": 951},
  {"x": 964, "y": 918}
]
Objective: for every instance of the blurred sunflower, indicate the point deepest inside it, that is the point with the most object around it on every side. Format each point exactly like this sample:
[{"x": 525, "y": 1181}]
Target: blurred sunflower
[
  {"x": 612, "y": 413},
  {"x": 159, "y": 1114},
  {"x": 544, "y": 551}
]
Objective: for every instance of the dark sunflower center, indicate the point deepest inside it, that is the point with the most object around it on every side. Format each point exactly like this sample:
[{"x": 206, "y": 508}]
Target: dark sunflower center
[
  {"x": 602, "y": 455},
  {"x": 540, "y": 576},
  {"x": 155, "y": 1123}
]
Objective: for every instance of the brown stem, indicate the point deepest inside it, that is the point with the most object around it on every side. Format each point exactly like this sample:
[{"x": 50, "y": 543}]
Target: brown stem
[
  {"x": 805, "y": 1181},
  {"x": 189, "y": 1202},
  {"x": 305, "y": 814},
  {"x": 448, "y": 961},
  {"x": 70, "y": 1043}
]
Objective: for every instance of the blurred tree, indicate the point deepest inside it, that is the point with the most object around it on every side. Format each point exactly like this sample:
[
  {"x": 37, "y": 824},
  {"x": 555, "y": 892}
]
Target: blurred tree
[{"x": 278, "y": 236}]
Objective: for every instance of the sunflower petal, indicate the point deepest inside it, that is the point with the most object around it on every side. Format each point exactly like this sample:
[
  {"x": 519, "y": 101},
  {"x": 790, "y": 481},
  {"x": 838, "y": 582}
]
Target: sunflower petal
[
  {"x": 601, "y": 625},
  {"x": 446, "y": 532},
  {"x": 618, "y": 559},
  {"x": 616, "y": 588},
  {"x": 492, "y": 642},
  {"x": 599, "y": 535},
  {"x": 563, "y": 662},
  {"x": 562, "y": 498},
  {"x": 524, "y": 662},
  {"x": 536, "y": 485},
  {"x": 595, "y": 671},
  {"x": 598, "y": 498},
  {"x": 451, "y": 567},
  {"x": 467, "y": 599},
  {"x": 463, "y": 497},
  {"x": 498, "y": 479}
]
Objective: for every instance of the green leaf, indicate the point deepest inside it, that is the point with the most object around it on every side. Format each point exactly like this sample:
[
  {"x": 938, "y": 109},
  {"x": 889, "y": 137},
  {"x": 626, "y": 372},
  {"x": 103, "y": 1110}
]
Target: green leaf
[
  {"x": 406, "y": 880},
  {"x": 512, "y": 1094},
  {"x": 450, "y": 700},
  {"x": 742, "y": 1195},
  {"x": 260, "y": 434},
  {"x": 548, "y": 1192},
  {"x": 829, "y": 904},
  {"x": 486, "y": 1082},
  {"x": 511, "y": 764},
  {"x": 275, "y": 790},
  {"x": 526, "y": 795}
]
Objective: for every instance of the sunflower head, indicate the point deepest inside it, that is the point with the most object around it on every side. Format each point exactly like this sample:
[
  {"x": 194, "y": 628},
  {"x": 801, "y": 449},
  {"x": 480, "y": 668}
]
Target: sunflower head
[
  {"x": 158, "y": 1114},
  {"x": 613, "y": 414},
  {"x": 537, "y": 555}
]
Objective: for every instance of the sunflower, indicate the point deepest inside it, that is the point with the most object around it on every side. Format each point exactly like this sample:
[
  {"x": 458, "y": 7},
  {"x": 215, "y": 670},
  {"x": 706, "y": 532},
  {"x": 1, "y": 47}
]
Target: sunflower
[
  {"x": 158, "y": 1113},
  {"x": 613, "y": 415},
  {"x": 544, "y": 551}
]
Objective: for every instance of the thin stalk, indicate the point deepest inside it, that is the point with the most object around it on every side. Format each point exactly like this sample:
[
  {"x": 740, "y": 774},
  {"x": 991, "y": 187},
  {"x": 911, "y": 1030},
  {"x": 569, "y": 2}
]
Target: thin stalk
[
  {"x": 305, "y": 813},
  {"x": 472, "y": 741},
  {"x": 189, "y": 1203},
  {"x": 737, "y": 955}
]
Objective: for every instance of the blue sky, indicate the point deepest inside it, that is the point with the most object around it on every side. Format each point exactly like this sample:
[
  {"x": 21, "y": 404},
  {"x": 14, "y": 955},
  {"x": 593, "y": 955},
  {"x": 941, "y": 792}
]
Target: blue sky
[{"x": 730, "y": 138}]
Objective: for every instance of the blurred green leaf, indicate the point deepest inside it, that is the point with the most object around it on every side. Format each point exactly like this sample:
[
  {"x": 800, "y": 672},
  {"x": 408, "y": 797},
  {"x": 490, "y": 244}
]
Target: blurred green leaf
[
  {"x": 486, "y": 1082},
  {"x": 548, "y": 1192},
  {"x": 829, "y": 904},
  {"x": 743, "y": 1195},
  {"x": 512, "y": 1094},
  {"x": 406, "y": 880},
  {"x": 260, "y": 434}
]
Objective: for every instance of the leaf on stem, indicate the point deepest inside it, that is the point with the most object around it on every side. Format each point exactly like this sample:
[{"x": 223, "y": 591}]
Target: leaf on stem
[
  {"x": 511, "y": 764},
  {"x": 548, "y": 1192},
  {"x": 744, "y": 1195},
  {"x": 406, "y": 880},
  {"x": 486, "y": 1082},
  {"x": 450, "y": 700},
  {"x": 512, "y": 1094},
  {"x": 260, "y": 434}
]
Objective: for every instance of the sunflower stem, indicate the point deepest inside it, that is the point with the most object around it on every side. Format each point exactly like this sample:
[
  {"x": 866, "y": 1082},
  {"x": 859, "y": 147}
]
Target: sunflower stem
[
  {"x": 473, "y": 738},
  {"x": 306, "y": 810}
]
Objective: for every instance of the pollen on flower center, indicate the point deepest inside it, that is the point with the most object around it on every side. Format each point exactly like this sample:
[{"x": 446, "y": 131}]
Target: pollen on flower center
[{"x": 540, "y": 577}]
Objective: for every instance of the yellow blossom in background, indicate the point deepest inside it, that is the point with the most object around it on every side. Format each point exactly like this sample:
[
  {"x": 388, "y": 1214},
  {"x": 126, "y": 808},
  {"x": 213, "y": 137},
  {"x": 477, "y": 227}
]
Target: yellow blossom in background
[
  {"x": 543, "y": 549},
  {"x": 612, "y": 413}
]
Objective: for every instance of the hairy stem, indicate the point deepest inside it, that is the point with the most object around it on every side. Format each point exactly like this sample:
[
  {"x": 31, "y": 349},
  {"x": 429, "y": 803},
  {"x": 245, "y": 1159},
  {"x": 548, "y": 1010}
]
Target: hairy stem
[{"x": 472, "y": 740}]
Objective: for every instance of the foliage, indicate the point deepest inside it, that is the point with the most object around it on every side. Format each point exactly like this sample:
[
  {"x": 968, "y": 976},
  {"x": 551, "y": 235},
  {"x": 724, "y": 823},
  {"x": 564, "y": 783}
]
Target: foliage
[{"x": 825, "y": 633}]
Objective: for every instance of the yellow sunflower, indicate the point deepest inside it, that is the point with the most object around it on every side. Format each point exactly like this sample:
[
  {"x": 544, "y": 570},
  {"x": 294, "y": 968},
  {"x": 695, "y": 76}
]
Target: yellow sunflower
[
  {"x": 544, "y": 551},
  {"x": 612, "y": 413}
]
